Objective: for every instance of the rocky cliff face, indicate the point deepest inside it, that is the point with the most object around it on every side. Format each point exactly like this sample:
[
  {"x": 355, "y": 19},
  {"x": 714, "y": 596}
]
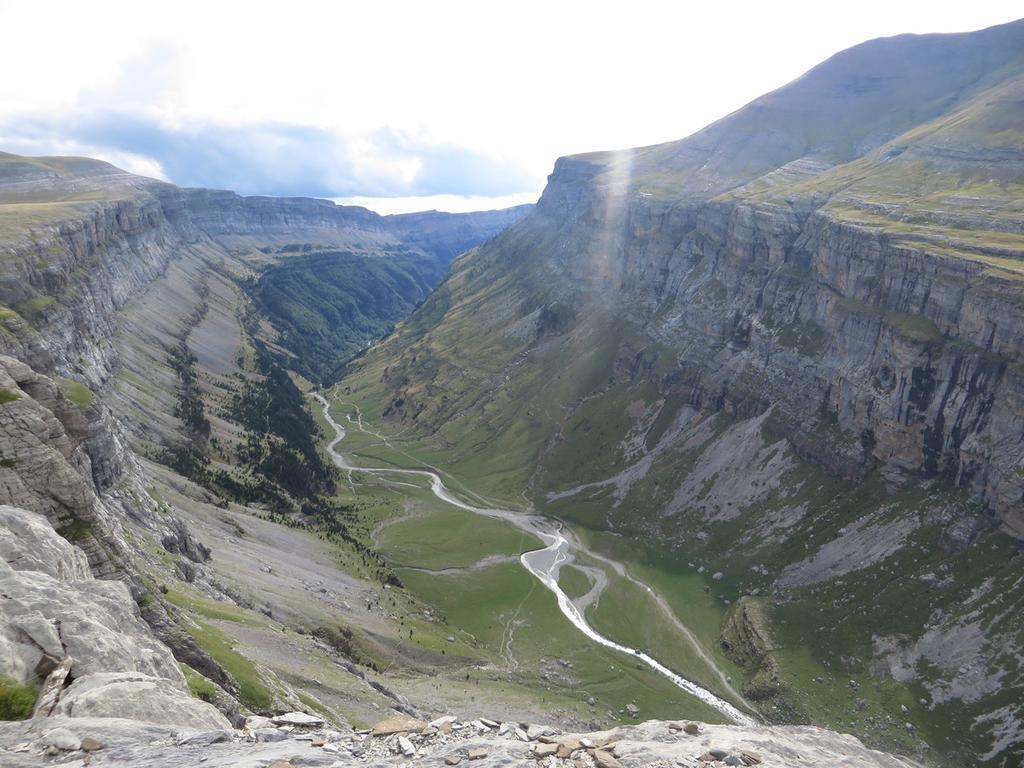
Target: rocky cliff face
[
  {"x": 119, "y": 310},
  {"x": 104, "y": 272},
  {"x": 915, "y": 353},
  {"x": 98, "y": 236},
  {"x": 785, "y": 287}
]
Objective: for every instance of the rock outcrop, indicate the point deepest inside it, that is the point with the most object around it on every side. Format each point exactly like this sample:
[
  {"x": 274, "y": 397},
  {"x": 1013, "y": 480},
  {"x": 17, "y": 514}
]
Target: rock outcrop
[
  {"x": 478, "y": 742},
  {"x": 55, "y": 616},
  {"x": 41, "y": 434}
]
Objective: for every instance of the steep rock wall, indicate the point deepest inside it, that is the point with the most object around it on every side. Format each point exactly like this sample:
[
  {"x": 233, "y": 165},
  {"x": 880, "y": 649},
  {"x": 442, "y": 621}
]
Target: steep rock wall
[{"x": 917, "y": 356}]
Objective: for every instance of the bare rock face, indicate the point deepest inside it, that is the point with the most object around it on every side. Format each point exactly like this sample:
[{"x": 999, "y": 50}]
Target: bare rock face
[
  {"x": 180, "y": 541},
  {"x": 52, "y": 612},
  {"x": 40, "y": 436},
  {"x": 915, "y": 354},
  {"x": 149, "y": 699},
  {"x": 28, "y": 543}
]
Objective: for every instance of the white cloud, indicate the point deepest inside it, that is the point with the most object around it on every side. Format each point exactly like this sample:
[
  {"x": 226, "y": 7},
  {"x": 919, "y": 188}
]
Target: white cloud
[
  {"x": 449, "y": 203},
  {"x": 518, "y": 83}
]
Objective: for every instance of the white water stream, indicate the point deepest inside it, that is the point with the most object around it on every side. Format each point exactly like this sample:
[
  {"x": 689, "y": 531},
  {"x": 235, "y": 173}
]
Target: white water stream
[{"x": 542, "y": 563}]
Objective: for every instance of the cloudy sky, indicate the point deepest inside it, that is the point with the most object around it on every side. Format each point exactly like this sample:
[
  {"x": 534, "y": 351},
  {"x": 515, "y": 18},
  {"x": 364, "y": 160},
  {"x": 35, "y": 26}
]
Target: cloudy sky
[{"x": 440, "y": 104}]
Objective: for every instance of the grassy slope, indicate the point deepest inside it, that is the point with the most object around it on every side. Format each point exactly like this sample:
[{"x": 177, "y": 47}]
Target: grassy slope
[
  {"x": 328, "y": 304},
  {"x": 952, "y": 184},
  {"x": 46, "y": 190},
  {"x": 505, "y": 610},
  {"x": 574, "y": 582}
]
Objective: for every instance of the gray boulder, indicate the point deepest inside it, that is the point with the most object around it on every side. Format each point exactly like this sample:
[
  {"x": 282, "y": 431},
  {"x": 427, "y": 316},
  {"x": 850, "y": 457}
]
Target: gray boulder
[
  {"x": 29, "y": 543},
  {"x": 58, "y": 623},
  {"x": 146, "y": 698}
]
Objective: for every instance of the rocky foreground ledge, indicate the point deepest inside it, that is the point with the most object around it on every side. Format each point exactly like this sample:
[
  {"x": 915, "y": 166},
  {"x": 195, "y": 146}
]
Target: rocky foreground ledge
[{"x": 297, "y": 739}]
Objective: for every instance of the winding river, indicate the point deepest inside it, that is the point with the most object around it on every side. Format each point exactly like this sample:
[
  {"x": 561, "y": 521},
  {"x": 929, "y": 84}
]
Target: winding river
[{"x": 543, "y": 563}]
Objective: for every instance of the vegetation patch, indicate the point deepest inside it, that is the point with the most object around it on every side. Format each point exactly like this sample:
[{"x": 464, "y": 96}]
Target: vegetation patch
[
  {"x": 574, "y": 582},
  {"x": 448, "y": 537},
  {"x": 198, "y": 685},
  {"x": 209, "y": 609},
  {"x": 190, "y": 457},
  {"x": 77, "y": 530},
  {"x": 914, "y": 327},
  {"x": 310, "y": 703},
  {"x": 17, "y": 700},
  {"x": 329, "y": 305},
  {"x": 510, "y": 615},
  {"x": 77, "y": 393},
  {"x": 807, "y": 337},
  {"x": 343, "y": 640},
  {"x": 8, "y": 396},
  {"x": 281, "y": 436},
  {"x": 253, "y": 692},
  {"x": 35, "y": 306}
]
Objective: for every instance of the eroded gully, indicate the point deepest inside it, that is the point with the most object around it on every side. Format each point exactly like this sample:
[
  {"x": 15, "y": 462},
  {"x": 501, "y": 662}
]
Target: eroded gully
[{"x": 544, "y": 564}]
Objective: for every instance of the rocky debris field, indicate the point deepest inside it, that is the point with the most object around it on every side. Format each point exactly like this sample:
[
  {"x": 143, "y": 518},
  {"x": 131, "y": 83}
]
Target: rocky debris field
[{"x": 298, "y": 739}]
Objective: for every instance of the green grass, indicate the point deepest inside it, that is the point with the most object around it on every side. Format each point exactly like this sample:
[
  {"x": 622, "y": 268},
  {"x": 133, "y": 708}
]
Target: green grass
[
  {"x": 327, "y": 304},
  {"x": 314, "y": 705},
  {"x": 253, "y": 692},
  {"x": 35, "y": 305},
  {"x": 210, "y": 609},
  {"x": 77, "y": 530},
  {"x": 629, "y": 614},
  {"x": 574, "y": 582},
  {"x": 17, "y": 700},
  {"x": 77, "y": 393},
  {"x": 448, "y": 537},
  {"x": 505, "y": 610},
  {"x": 8, "y": 396},
  {"x": 914, "y": 327},
  {"x": 682, "y": 588},
  {"x": 198, "y": 685}
]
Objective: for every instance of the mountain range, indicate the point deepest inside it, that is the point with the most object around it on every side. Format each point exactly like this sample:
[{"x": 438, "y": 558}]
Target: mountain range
[{"x": 759, "y": 392}]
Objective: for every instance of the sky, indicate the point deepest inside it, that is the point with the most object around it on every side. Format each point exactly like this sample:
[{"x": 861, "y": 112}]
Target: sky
[{"x": 407, "y": 105}]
